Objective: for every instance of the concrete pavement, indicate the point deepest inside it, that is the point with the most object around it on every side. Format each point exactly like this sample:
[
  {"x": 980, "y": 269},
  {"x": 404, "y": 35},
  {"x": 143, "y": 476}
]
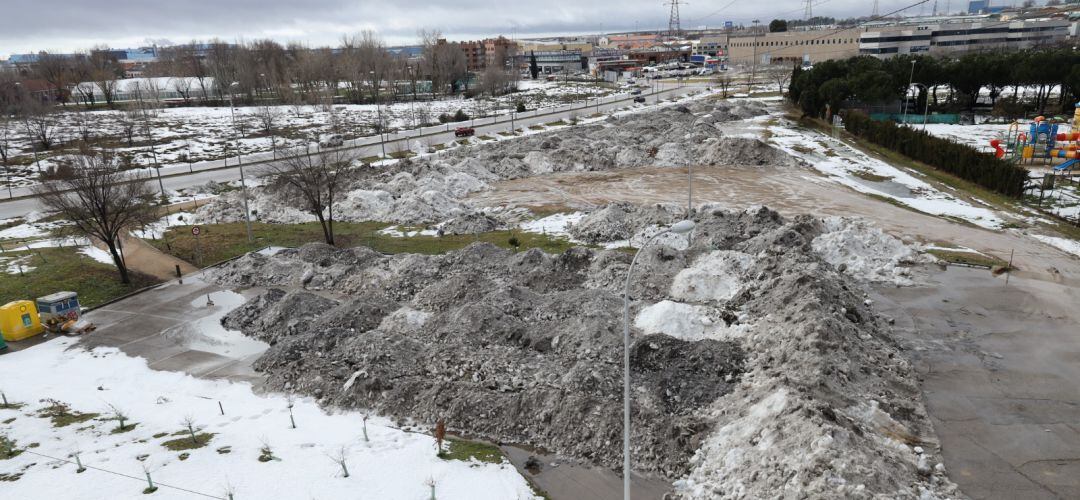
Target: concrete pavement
[{"x": 999, "y": 369}]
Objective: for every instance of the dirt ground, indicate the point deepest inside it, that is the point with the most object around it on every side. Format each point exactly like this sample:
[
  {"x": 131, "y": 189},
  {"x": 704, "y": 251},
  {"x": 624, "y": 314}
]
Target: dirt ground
[{"x": 790, "y": 192}]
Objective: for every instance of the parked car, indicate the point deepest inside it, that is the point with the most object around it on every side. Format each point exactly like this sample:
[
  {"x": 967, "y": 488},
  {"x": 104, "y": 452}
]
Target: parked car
[
  {"x": 331, "y": 141},
  {"x": 635, "y": 92},
  {"x": 464, "y": 132},
  {"x": 639, "y": 98}
]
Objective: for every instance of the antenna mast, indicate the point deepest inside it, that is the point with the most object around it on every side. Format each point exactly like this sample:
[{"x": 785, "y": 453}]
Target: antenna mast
[{"x": 809, "y": 10}]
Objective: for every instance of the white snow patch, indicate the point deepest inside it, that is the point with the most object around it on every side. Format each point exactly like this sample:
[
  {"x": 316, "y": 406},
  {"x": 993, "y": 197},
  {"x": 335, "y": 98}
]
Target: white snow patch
[
  {"x": 719, "y": 275},
  {"x": 97, "y": 254},
  {"x": 684, "y": 321},
  {"x": 390, "y": 464},
  {"x": 554, "y": 225},
  {"x": 1063, "y": 244},
  {"x": 206, "y": 333},
  {"x": 866, "y": 250}
]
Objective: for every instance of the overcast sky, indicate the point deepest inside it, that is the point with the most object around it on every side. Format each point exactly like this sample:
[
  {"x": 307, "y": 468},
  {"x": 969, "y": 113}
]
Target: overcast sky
[{"x": 66, "y": 25}]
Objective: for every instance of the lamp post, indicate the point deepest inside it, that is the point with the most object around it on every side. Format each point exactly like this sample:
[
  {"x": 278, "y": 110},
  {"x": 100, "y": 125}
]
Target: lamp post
[
  {"x": 378, "y": 110},
  {"x": 926, "y": 106},
  {"x": 681, "y": 227},
  {"x": 240, "y": 162},
  {"x": 907, "y": 89}
]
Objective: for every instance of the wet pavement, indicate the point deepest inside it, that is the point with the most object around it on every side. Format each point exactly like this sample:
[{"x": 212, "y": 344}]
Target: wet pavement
[
  {"x": 137, "y": 326},
  {"x": 999, "y": 367}
]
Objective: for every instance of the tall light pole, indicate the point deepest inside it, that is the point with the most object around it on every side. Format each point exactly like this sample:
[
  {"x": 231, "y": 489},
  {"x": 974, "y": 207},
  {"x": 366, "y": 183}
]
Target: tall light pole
[
  {"x": 681, "y": 227},
  {"x": 378, "y": 110},
  {"x": 926, "y": 106},
  {"x": 240, "y": 161},
  {"x": 907, "y": 89}
]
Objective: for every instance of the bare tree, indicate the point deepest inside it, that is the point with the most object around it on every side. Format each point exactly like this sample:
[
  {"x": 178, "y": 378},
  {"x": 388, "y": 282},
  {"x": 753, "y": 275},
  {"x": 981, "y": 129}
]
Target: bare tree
[
  {"x": 105, "y": 70},
  {"x": 268, "y": 117},
  {"x": 119, "y": 415},
  {"x": 129, "y": 124},
  {"x": 39, "y": 120},
  {"x": 58, "y": 70},
  {"x": 317, "y": 178},
  {"x": 780, "y": 75},
  {"x": 339, "y": 456},
  {"x": 725, "y": 82},
  {"x": 101, "y": 201}
]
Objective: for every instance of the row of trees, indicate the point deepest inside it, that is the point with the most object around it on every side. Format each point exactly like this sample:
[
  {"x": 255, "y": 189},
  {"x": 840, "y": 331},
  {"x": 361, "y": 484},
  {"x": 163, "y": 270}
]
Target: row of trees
[
  {"x": 361, "y": 69},
  {"x": 104, "y": 202},
  {"x": 958, "y": 159},
  {"x": 867, "y": 80}
]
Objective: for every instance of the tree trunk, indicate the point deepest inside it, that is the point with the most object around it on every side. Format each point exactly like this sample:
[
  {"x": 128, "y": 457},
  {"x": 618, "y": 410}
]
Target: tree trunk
[
  {"x": 327, "y": 235},
  {"x": 121, "y": 266}
]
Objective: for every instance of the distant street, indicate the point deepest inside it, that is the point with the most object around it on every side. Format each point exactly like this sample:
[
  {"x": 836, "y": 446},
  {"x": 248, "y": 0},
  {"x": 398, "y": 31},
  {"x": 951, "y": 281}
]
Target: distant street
[{"x": 182, "y": 176}]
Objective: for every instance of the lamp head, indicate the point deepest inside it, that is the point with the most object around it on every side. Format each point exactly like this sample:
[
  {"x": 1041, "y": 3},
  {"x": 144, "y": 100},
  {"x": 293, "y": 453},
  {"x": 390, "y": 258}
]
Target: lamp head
[{"x": 683, "y": 227}]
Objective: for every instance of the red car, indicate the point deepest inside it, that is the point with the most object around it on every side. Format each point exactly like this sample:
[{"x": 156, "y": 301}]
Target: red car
[{"x": 464, "y": 132}]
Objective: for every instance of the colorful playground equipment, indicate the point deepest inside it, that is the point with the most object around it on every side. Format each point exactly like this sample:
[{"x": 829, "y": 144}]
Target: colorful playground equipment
[{"x": 1042, "y": 141}]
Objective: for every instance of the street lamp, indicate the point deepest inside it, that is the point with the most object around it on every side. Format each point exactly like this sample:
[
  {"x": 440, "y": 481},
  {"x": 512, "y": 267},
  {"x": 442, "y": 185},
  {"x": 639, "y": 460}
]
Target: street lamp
[
  {"x": 907, "y": 89},
  {"x": 681, "y": 227},
  {"x": 240, "y": 161},
  {"x": 926, "y": 106},
  {"x": 378, "y": 110}
]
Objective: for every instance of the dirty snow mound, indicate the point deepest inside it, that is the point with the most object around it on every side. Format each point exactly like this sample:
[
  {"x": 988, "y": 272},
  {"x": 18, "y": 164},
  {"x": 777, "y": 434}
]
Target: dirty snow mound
[
  {"x": 864, "y": 250},
  {"x": 717, "y": 276}
]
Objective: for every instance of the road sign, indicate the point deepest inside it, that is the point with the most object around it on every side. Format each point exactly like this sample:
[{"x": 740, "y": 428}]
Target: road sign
[{"x": 196, "y": 230}]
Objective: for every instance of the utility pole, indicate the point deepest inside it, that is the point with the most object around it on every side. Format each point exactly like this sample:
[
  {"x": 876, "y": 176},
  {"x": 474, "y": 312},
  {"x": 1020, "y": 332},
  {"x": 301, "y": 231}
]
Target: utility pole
[
  {"x": 876, "y": 9},
  {"x": 674, "y": 26},
  {"x": 809, "y": 10},
  {"x": 240, "y": 162}
]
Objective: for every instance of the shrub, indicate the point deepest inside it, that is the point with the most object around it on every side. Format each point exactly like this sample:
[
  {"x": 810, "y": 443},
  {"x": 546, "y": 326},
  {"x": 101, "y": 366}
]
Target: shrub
[{"x": 957, "y": 159}]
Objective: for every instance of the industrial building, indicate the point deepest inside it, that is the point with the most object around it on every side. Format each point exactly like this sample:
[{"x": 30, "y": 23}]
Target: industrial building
[{"x": 939, "y": 36}]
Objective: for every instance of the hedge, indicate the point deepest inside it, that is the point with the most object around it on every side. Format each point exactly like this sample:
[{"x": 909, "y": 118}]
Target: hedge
[{"x": 960, "y": 160}]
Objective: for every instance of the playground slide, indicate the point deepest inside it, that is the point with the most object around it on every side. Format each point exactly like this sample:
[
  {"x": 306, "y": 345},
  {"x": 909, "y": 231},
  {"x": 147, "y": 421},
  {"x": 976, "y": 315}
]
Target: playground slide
[
  {"x": 998, "y": 152},
  {"x": 1067, "y": 165}
]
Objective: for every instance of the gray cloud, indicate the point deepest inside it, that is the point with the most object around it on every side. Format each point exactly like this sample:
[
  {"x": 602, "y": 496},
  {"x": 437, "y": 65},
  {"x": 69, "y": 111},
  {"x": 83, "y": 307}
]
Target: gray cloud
[{"x": 30, "y": 25}]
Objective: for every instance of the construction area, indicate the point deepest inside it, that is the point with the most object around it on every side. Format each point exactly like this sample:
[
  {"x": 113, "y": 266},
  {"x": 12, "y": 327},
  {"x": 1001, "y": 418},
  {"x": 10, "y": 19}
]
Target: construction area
[{"x": 837, "y": 324}]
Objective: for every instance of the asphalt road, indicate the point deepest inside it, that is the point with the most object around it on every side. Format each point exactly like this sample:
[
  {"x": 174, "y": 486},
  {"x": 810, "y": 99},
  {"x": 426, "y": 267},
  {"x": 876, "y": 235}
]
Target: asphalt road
[{"x": 183, "y": 176}]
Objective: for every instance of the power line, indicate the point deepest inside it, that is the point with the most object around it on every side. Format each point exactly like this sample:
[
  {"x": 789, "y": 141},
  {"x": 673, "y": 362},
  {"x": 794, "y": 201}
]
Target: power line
[{"x": 121, "y": 474}]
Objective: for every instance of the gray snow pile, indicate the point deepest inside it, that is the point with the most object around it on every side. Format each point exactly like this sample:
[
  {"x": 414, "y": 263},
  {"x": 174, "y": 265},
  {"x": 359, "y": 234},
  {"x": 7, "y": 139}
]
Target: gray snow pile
[
  {"x": 865, "y": 251},
  {"x": 759, "y": 370},
  {"x": 430, "y": 190}
]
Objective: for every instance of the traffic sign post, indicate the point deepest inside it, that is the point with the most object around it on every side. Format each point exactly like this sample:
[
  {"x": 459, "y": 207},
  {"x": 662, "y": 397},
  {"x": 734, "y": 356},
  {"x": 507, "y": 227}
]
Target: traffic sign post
[{"x": 196, "y": 231}]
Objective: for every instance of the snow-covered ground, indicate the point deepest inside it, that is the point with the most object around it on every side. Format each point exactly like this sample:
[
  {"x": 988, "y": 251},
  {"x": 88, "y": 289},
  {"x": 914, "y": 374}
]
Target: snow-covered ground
[
  {"x": 1064, "y": 244},
  {"x": 390, "y": 463},
  {"x": 857, "y": 170},
  {"x": 193, "y": 134}
]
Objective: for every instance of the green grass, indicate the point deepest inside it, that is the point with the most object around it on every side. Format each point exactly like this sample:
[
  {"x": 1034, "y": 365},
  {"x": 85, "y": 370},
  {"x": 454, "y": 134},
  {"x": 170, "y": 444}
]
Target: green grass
[
  {"x": 485, "y": 138},
  {"x": 555, "y": 123},
  {"x": 62, "y": 415},
  {"x": 65, "y": 269},
  {"x": 536, "y": 127},
  {"x": 8, "y": 448},
  {"x": 870, "y": 176},
  {"x": 465, "y": 450},
  {"x": 186, "y": 443},
  {"x": 370, "y": 159},
  {"x": 127, "y": 427},
  {"x": 223, "y": 241},
  {"x": 398, "y": 155},
  {"x": 967, "y": 258}
]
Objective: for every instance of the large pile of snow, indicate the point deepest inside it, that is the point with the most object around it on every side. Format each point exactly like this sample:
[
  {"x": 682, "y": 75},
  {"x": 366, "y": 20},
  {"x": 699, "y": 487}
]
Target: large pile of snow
[
  {"x": 389, "y": 464},
  {"x": 716, "y": 276},
  {"x": 864, "y": 250},
  {"x": 685, "y": 321}
]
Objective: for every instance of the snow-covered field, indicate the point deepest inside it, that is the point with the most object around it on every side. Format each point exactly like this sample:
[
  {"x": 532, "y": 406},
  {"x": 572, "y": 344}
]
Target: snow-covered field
[
  {"x": 193, "y": 134},
  {"x": 389, "y": 463},
  {"x": 857, "y": 170}
]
